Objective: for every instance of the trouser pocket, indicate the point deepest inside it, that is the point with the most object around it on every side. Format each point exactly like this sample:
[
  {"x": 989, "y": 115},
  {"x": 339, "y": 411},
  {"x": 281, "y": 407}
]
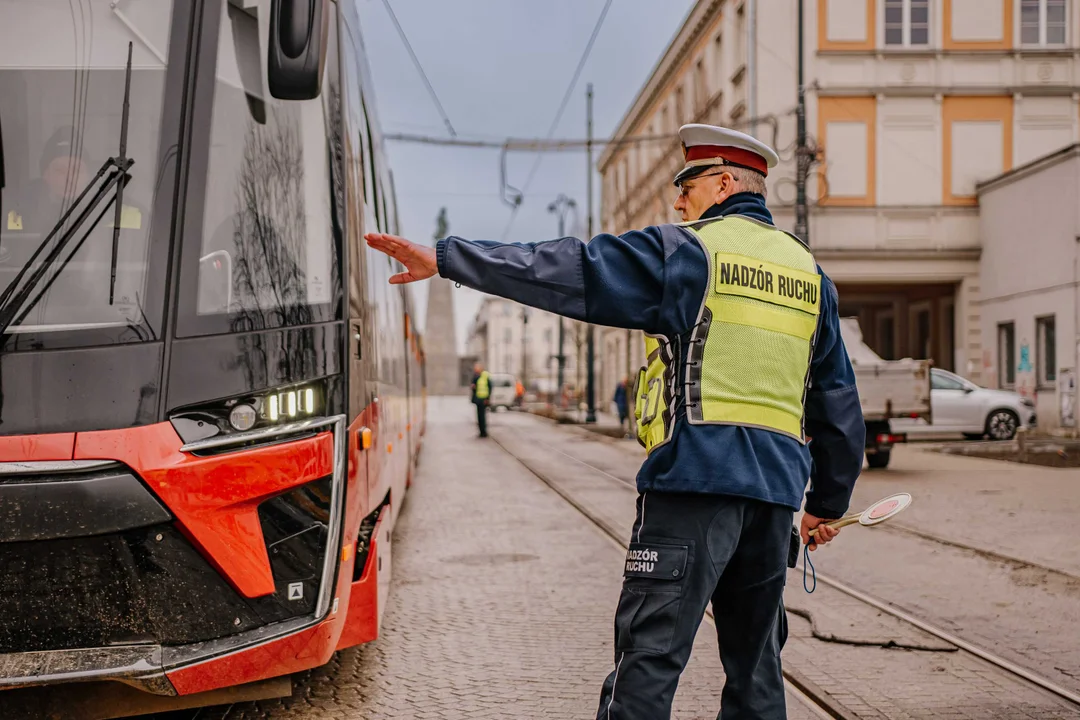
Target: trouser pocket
[
  {"x": 651, "y": 597},
  {"x": 645, "y": 620}
]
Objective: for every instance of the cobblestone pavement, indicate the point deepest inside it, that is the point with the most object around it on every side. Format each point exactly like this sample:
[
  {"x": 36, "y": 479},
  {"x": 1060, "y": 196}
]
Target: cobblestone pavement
[
  {"x": 1025, "y": 613},
  {"x": 502, "y": 604},
  {"x": 987, "y": 504},
  {"x": 868, "y": 681}
]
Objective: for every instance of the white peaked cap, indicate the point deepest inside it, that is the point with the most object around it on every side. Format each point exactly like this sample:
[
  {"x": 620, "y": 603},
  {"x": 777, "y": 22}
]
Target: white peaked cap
[{"x": 706, "y": 146}]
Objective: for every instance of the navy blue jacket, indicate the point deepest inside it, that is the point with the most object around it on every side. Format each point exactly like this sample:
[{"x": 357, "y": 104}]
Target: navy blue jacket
[{"x": 653, "y": 281}]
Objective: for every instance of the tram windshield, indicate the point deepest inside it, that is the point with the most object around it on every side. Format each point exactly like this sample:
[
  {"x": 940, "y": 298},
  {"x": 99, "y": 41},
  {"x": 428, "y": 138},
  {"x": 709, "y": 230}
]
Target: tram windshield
[{"x": 62, "y": 82}]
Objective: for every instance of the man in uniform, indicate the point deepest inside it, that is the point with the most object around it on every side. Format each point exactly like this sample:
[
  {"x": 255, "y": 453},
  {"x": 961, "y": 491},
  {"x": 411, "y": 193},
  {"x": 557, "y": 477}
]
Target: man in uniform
[
  {"x": 747, "y": 393},
  {"x": 63, "y": 176},
  {"x": 81, "y": 295},
  {"x": 481, "y": 393}
]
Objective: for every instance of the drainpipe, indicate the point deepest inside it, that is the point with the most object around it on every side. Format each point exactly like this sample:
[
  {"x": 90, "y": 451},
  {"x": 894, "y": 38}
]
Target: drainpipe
[{"x": 751, "y": 64}]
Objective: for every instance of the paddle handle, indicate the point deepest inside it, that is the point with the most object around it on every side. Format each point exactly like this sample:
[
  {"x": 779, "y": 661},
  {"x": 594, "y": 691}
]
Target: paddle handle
[{"x": 842, "y": 522}]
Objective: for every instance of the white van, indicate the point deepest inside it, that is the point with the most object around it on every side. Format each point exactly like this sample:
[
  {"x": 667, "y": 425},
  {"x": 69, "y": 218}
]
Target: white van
[{"x": 503, "y": 391}]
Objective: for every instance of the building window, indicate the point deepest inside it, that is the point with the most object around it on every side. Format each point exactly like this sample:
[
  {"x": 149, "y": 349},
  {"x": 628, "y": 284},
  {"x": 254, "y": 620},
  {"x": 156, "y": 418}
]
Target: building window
[
  {"x": 740, "y": 37},
  {"x": 718, "y": 60},
  {"x": 1006, "y": 355},
  {"x": 700, "y": 88},
  {"x": 1042, "y": 22},
  {"x": 1047, "y": 350},
  {"x": 907, "y": 23},
  {"x": 507, "y": 336},
  {"x": 506, "y": 309},
  {"x": 680, "y": 107}
]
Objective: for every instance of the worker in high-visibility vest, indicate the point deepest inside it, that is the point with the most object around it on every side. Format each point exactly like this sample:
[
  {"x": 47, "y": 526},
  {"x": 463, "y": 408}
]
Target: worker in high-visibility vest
[
  {"x": 481, "y": 396},
  {"x": 746, "y": 393},
  {"x": 64, "y": 174}
]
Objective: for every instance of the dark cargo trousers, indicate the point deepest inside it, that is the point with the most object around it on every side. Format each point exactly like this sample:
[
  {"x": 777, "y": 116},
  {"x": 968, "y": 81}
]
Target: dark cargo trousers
[{"x": 685, "y": 550}]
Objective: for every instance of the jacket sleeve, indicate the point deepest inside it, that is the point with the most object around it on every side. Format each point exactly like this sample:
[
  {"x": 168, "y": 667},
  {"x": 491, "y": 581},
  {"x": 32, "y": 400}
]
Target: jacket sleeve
[
  {"x": 834, "y": 420},
  {"x": 615, "y": 280}
]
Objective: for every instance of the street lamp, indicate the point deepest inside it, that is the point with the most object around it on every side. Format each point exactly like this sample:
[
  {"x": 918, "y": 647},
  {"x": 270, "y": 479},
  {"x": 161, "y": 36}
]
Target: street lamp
[{"x": 561, "y": 207}]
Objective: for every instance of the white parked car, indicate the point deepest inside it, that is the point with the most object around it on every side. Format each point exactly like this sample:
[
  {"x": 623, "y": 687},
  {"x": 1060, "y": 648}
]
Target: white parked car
[{"x": 961, "y": 406}]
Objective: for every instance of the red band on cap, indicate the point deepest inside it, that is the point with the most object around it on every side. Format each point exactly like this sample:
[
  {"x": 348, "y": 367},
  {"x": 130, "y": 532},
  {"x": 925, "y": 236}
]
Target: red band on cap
[{"x": 732, "y": 154}]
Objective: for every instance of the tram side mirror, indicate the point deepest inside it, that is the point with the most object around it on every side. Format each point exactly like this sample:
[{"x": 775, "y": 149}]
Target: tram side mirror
[{"x": 297, "y": 48}]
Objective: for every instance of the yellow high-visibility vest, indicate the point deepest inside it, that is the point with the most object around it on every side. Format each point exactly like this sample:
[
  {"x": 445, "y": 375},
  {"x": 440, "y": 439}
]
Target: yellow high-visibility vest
[
  {"x": 749, "y": 356},
  {"x": 483, "y": 386}
]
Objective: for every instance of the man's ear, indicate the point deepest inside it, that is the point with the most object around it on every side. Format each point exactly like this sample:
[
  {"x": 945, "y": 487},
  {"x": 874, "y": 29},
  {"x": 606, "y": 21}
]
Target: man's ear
[{"x": 725, "y": 187}]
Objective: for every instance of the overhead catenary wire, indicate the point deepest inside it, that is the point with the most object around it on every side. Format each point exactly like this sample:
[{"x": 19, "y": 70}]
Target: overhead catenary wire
[
  {"x": 527, "y": 144},
  {"x": 420, "y": 68},
  {"x": 558, "y": 115}
]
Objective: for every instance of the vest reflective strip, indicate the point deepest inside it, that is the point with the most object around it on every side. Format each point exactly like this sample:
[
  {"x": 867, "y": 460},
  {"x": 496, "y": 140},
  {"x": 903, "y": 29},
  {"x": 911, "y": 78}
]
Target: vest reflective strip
[
  {"x": 761, "y": 416},
  {"x": 766, "y": 318}
]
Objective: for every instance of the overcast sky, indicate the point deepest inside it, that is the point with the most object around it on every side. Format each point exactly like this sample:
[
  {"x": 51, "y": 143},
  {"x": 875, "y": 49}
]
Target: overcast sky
[{"x": 501, "y": 68}]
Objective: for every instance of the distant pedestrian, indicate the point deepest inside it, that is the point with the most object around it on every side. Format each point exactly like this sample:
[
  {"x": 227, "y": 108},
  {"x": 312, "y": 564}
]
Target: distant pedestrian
[
  {"x": 622, "y": 402},
  {"x": 481, "y": 395}
]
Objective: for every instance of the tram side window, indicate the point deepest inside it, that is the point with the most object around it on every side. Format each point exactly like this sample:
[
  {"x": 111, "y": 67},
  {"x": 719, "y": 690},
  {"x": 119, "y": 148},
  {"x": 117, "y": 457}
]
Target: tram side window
[{"x": 267, "y": 222}]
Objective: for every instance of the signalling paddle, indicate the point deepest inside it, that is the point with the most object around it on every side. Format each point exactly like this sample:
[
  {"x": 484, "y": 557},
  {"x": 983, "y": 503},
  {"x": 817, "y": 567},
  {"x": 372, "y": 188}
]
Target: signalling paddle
[{"x": 879, "y": 512}]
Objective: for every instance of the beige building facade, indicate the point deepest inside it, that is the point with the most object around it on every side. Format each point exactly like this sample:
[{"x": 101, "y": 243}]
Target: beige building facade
[
  {"x": 910, "y": 104},
  {"x": 496, "y": 336}
]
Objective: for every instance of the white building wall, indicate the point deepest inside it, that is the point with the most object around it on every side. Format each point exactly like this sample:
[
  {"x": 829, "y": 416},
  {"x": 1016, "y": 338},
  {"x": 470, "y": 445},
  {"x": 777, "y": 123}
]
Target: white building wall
[
  {"x": 496, "y": 339},
  {"x": 1030, "y": 224}
]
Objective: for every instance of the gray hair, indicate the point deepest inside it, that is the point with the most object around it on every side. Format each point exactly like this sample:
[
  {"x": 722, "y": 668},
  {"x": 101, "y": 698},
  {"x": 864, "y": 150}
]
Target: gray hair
[{"x": 748, "y": 180}]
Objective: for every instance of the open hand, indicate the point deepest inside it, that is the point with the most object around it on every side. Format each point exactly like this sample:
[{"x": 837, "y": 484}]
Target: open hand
[
  {"x": 823, "y": 535},
  {"x": 419, "y": 260}
]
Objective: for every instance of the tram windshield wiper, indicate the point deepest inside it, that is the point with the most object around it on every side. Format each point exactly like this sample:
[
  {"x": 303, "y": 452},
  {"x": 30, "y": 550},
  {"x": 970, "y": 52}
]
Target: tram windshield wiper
[{"x": 112, "y": 173}]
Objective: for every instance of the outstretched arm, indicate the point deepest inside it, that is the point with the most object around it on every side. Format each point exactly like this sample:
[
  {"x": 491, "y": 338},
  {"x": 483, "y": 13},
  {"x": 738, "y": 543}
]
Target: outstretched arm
[
  {"x": 615, "y": 280},
  {"x": 834, "y": 421}
]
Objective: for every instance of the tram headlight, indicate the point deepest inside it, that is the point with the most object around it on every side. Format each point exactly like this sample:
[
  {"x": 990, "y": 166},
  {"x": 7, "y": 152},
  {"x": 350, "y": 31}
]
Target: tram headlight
[
  {"x": 243, "y": 417},
  {"x": 292, "y": 404},
  {"x": 241, "y": 413}
]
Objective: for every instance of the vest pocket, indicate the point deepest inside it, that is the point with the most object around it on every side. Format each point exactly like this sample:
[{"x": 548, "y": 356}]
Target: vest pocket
[{"x": 645, "y": 620}]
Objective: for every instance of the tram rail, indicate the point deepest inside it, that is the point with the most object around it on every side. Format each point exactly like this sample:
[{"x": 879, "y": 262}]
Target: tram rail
[{"x": 794, "y": 681}]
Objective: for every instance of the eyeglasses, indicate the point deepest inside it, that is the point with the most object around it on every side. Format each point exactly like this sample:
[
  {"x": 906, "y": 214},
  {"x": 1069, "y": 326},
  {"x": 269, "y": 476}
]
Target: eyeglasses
[{"x": 684, "y": 189}]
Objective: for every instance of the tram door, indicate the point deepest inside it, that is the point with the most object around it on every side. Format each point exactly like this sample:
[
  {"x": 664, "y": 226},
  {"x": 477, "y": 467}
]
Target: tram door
[{"x": 362, "y": 317}]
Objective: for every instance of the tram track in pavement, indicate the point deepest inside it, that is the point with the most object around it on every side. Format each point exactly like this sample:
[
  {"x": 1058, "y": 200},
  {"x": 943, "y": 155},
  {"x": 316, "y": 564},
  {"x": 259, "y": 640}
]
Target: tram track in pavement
[
  {"x": 805, "y": 691},
  {"x": 897, "y": 528},
  {"x": 796, "y": 683}
]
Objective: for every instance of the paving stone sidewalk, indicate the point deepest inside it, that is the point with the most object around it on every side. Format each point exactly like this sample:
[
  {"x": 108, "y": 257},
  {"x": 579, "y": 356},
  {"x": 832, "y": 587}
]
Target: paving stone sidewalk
[{"x": 502, "y": 604}]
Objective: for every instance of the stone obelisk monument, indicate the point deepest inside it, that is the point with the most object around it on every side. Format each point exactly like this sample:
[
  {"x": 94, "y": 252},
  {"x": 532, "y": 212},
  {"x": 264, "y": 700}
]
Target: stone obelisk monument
[{"x": 440, "y": 342}]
